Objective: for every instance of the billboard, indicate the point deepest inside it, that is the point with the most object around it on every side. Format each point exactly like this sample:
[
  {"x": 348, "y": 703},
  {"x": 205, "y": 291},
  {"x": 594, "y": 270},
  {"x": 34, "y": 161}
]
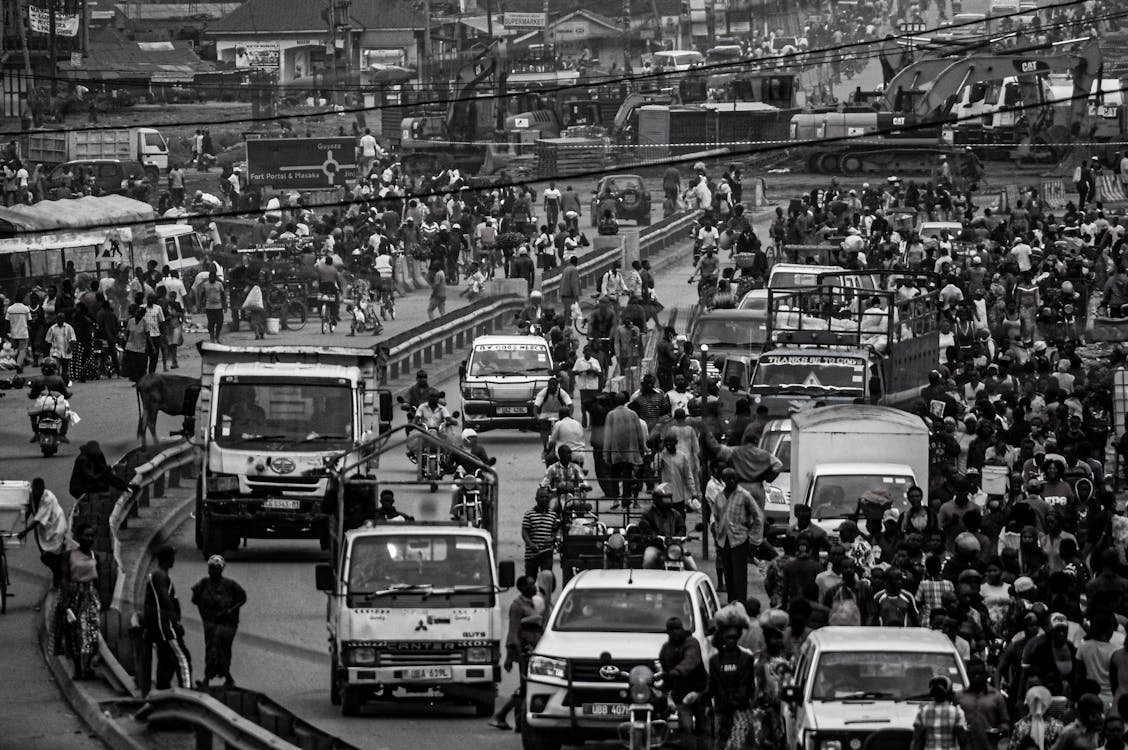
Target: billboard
[
  {"x": 259, "y": 55},
  {"x": 301, "y": 163}
]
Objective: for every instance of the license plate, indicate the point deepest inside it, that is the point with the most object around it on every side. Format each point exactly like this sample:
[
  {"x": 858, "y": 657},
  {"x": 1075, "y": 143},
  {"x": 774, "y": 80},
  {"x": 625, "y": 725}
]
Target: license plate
[
  {"x": 276, "y": 503},
  {"x": 429, "y": 673},
  {"x": 50, "y": 424},
  {"x": 605, "y": 709},
  {"x": 512, "y": 410}
]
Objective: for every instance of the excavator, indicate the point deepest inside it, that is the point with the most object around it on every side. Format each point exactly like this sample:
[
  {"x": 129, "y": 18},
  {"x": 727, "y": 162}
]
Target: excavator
[{"x": 952, "y": 108}]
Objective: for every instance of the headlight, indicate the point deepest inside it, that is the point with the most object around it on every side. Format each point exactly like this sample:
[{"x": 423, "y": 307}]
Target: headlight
[
  {"x": 479, "y": 655},
  {"x": 223, "y": 483},
  {"x": 830, "y": 745},
  {"x": 776, "y": 496},
  {"x": 475, "y": 392},
  {"x": 674, "y": 552},
  {"x": 360, "y": 655},
  {"x": 544, "y": 666}
]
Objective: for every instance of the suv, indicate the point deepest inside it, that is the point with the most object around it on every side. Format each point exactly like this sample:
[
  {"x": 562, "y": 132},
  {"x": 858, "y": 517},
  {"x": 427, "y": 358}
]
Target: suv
[
  {"x": 859, "y": 687},
  {"x": 624, "y": 195},
  {"x": 603, "y": 622},
  {"x": 110, "y": 175}
]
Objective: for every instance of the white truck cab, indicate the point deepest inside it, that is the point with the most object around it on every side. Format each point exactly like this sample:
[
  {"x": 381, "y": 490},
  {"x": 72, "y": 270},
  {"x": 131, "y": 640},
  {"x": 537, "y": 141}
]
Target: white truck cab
[
  {"x": 857, "y": 687},
  {"x": 605, "y": 621}
]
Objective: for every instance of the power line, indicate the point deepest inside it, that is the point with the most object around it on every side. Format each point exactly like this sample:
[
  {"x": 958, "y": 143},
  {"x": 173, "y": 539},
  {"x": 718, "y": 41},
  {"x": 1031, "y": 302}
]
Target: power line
[
  {"x": 756, "y": 148},
  {"x": 796, "y": 57}
]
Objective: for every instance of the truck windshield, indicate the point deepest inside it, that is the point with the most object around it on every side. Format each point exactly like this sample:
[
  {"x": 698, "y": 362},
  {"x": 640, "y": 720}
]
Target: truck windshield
[
  {"x": 841, "y": 496},
  {"x": 622, "y": 610},
  {"x": 881, "y": 675},
  {"x": 296, "y": 415},
  {"x": 401, "y": 570},
  {"x": 750, "y": 331},
  {"x": 815, "y": 372},
  {"x": 509, "y": 359}
]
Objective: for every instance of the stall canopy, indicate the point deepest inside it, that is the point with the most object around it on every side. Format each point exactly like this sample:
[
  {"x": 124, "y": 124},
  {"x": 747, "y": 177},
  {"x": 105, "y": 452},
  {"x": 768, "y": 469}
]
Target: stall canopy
[
  {"x": 80, "y": 222},
  {"x": 158, "y": 62}
]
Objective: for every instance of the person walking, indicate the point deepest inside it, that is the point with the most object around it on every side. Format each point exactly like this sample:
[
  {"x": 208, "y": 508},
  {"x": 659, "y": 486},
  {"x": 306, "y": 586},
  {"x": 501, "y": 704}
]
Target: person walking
[
  {"x": 538, "y": 531},
  {"x": 684, "y": 670},
  {"x": 737, "y": 518},
  {"x": 49, "y": 522},
  {"x": 219, "y": 600},
  {"x": 92, "y": 473},
  {"x": 60, "y": 339},
  {"x": 211, "y": 295},
  {"x": 438, "y": 294},
  {"x": 624, "y": 442},
  {"x": 571, "y": 287},
  {"x": 732, "y": 682},
  {"x": 154, "y": 319},
  {"x": 18, "y": 314},
  {"x": 76, "y": 621},
  {"x": 520, "y": 640},
  {"x": 940, "y": 724},
  {"x": 163, "y": 629}
]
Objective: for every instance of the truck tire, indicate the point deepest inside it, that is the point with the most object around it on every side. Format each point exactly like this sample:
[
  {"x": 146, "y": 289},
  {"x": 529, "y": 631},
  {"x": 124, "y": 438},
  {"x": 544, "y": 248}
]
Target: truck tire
[
  {"x": 199, "y": 514},
  {"x": 351, "y": 701},
  {"x": 537, "y": 739},
  {"x": 485, "y": 707},
  {"x": 334, "y": 683}
]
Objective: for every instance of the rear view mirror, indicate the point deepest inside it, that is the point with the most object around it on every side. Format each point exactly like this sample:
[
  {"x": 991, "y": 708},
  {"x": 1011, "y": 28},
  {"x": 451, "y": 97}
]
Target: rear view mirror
[
  {"x": 506, "y": 574},
  {"x": 324, "y": 576}
]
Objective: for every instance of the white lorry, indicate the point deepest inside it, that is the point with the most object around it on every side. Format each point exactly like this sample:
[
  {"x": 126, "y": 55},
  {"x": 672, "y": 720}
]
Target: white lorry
[
  {"x": 269, "y": 420},
  {"x": 144, "y": 145},
  {"x": 853, "y": 460},
  {"x": 414, "y": 597}
]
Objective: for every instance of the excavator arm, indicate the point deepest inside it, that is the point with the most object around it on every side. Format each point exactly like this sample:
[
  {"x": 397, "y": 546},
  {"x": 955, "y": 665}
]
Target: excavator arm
[
  {"x": 915, "y": 77},
  {"x": 1084, "y": 65}
]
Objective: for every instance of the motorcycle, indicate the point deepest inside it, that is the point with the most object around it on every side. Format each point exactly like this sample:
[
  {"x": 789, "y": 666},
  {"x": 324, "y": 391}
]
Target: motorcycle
[
  {"x": 466, "y": 497},
  {"x": 50, "y": 430},
  {"x": 674, "y": 553},
  {"x": 642, "y": 731},
  {"x": 364, "y": 316}
]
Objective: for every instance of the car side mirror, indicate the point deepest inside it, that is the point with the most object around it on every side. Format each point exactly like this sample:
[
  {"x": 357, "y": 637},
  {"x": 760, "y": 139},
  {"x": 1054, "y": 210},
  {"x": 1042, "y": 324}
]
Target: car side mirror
[
  {"x": 789, "y": 694},
  {"x": 506, "y": 574},
  {"x": 324, "y": 576},
  {"x": 462, "y": 371},
  {"x": 492, "y": 461}
]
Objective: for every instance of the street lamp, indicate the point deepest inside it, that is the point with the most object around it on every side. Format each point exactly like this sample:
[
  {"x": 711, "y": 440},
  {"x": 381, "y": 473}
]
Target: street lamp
[{"x": 703, "y": 391}]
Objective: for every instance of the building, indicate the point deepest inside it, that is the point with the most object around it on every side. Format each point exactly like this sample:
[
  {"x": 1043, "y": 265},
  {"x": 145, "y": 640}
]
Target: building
[{"x": 292, "y": 38}]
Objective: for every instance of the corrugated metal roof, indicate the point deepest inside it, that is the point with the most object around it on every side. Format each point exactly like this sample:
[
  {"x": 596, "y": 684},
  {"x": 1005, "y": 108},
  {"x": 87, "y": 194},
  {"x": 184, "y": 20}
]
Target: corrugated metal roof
[
  {"x": 159, "y": 61},
  {"x": 171, "y": 11},
  {"x": 263, "y": 17}
]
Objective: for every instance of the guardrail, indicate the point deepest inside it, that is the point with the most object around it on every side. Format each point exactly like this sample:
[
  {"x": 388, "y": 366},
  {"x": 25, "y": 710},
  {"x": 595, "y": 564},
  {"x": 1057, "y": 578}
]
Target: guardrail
[{"x": 239, "y": 719}]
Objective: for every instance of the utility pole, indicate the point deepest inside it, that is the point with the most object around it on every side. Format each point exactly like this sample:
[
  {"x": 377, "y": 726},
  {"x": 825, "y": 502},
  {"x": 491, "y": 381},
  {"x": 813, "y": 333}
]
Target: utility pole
[
  {"x": 547, "y": 33},
  {"x": 425, "y": 63},
  {"x": 51, "y": 53},
  {"x": 489, "y": 21}
]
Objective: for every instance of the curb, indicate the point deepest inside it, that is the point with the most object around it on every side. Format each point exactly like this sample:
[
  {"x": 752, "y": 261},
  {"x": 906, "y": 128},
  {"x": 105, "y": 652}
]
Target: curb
[{"x": 107, "y": 729}]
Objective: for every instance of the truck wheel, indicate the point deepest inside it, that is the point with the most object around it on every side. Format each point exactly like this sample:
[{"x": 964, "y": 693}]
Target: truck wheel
[
  {"x": 199, "y": 514},
  {"x": 535, "y": 739},
  {"x": 212, "y": 537},
  {"x": 334, "y": 683},
  {"x": 351, "y": 701},
  {"x": 485, "y": 707}
]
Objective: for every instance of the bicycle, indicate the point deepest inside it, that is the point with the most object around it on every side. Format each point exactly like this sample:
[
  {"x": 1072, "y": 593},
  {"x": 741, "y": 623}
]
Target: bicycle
[
  {"x": 329, "y": 303},
  {"x": 292, "y": 313},
  {"x": 387, "y": 302}
]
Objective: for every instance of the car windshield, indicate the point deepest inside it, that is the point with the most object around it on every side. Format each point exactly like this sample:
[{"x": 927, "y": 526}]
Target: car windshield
[
  {"x": 509, "y": 359},
  {"x": 841, "y": 496},
  {"x": 842, "y": 675},
  {"x": 813, "y": 372},
  {"x": 731, "y": 332},
  {"x": 402, "y": 570},
  {"x": 794, "y": 279},
  {"x": 754, "y": 302},
  {"x": 281, "y": 411},
  {"x": 622, "y": 610}
]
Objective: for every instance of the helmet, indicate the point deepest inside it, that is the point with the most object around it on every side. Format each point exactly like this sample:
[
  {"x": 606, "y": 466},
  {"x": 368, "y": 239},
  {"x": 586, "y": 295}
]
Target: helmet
[{"x": 49, "y": 363}]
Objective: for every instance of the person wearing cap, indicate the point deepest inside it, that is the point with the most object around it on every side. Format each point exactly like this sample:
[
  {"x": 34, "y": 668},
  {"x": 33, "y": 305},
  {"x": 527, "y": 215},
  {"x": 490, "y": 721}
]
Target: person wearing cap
[
  {"x": 940, "y": 724},
  {"x": 219, "y": 600},
  {"x": 1052, "y": 659},
  {"x": 522, "y": 267}
]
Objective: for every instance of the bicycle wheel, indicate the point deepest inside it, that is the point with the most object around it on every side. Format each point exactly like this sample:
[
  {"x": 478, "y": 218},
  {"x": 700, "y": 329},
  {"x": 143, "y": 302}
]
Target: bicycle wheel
[
  {"x": 294, "y": 315},
  {"x": 325, "y": 322}
]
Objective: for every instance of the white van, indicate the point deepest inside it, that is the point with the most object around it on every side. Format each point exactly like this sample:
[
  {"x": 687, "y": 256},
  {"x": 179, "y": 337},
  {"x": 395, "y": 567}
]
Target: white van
[
  {"x": 180, "y": 250},
  {"x": 500, "y": 379},
  {"x": 675, "y": 61}
]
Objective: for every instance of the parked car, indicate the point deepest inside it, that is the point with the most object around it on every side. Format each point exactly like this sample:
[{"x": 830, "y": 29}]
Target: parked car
[
  {"x": 111, "y": 176},
  {"x": 625, "y": 195}
]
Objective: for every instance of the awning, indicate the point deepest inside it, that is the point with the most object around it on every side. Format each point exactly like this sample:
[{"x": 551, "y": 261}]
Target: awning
[
  {"x": 80, "y": 222},
  {"x": 159, "y": 62}
]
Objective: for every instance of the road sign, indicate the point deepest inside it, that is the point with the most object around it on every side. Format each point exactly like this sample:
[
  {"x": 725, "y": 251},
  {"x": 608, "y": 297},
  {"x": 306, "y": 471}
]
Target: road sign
[
  {"x": 523, "y": 20},
  {"x": 301, "y": 162}
]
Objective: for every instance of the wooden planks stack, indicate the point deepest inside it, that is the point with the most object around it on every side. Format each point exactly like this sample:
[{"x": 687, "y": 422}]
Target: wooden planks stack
[{"x": 565, "y": 156}]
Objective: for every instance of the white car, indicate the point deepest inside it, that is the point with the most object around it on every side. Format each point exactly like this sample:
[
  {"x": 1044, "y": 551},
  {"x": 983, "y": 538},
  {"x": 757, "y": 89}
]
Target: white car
[
  {"x": 776, "y": 440},
  {"x": 605, "y": 621},
  {"x": 854, "y": 683}
]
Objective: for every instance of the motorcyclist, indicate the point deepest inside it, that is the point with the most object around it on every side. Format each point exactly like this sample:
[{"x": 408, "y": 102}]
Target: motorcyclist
[
  {"x": 431, "y": 416},
  {"x": 662, "y": 519},
  {"x": 534, "y": 313},
  {"x": 50, "y": 393},
  {"x": 566, "y": 480},
  {"x": 417, "y": 394}
]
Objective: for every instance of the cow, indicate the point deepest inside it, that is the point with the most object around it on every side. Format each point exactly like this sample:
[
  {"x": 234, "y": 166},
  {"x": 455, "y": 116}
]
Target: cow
[{"x": 173, "y": 394}]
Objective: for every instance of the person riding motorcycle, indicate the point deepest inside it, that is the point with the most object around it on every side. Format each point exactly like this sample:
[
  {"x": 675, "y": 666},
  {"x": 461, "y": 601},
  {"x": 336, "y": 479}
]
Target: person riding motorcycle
[
  {"x": 417, "y": 394},
  {"x": 662, "y": 519},
  {"x": 431, "y": 416},
  {"x": 566, "y": 480},
  {"x": 50, "y": 393}
]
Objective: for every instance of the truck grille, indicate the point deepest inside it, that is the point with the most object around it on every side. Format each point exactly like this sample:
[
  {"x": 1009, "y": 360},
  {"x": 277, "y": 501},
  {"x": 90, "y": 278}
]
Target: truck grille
[
  {"x": 886, "y": 739},
  {"x": 414, "y": 659},
  {"x": 587, "y": 670},
  {"x": 611, "y": 694},
  {"x": 294, "y": 485}
]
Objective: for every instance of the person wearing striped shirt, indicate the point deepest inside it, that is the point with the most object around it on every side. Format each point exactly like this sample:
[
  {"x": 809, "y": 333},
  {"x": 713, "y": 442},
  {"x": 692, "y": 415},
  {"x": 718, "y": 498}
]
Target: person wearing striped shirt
[
  {"x": 538, "y": 531},
  {"x": 893, "y": 606}
]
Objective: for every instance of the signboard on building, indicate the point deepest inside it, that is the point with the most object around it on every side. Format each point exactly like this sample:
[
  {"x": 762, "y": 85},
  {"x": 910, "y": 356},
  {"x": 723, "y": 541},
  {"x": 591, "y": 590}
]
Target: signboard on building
[
  {"x": 301, "y": 163},
  {"x": 39, "y": 19},
  {"x": 258, "y": 55},
  {"x": 523, "y": 20}
]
